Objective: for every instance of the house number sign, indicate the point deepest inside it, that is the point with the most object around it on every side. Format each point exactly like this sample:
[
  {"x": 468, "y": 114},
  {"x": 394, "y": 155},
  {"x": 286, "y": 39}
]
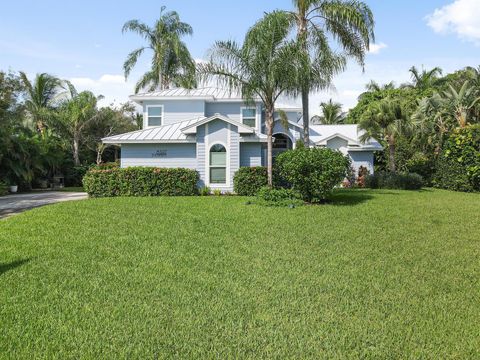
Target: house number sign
[{"x": 159, "y": 154}]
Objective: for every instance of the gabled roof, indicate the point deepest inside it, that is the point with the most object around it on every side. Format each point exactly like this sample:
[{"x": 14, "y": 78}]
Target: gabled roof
[
  {"x": 192, "y": 128},
  {"x": 320, "y": 134}
]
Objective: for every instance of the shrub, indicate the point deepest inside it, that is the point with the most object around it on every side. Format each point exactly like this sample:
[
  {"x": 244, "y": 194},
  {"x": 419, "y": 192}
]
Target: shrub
[
  {"x": 74, "y": 175},
  {"x": 458, "y": 167},
  {"x": 3, "y": 188},
  {"x": 205, "y": 191},
  {"x": 141, "y": 181},
  {"x": 420, "y": 164},
  {"x": 278, "y": 197},
  {"x": 388, "y": 180},
  {"x": 313, "y": 172},
  {"x": 362, "y": 174},
  {"x": 248, "y": 180}
]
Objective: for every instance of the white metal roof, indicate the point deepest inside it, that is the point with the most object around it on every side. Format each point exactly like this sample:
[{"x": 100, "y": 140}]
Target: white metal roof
[
  {"x": 206, "y": 93},
  {"x": 320, "y": 134}
]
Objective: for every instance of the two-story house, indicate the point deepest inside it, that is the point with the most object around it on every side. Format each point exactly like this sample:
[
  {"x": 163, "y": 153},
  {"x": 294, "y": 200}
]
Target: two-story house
[{"x": 214, "y": 132}]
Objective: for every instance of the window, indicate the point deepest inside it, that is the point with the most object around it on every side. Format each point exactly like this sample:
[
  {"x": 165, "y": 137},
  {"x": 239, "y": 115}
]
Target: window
[
  {"x": 155, "y": 115},
  {"x": 218, "y": 164},
  {"x": 249, "y": 116}
]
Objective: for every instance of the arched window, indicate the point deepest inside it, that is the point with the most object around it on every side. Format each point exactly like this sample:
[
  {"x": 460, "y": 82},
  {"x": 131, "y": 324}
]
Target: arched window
[{"x": 218, "y": 164}]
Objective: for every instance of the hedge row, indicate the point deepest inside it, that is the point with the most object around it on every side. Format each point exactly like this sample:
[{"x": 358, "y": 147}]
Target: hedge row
[
  {"x": 141, "y": 181},
  {"x": 400, "y": 181},
  {"x": 249, "y": 180}
]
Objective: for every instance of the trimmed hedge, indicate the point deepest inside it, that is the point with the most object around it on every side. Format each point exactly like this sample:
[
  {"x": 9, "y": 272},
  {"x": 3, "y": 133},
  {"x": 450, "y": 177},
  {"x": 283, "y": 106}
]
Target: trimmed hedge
[
  {"x": 399, "y": 181},
  {"x": 247, "y": 181},
  {"x": 141, "y": 181},
  {"x": 278, "y": 197}
]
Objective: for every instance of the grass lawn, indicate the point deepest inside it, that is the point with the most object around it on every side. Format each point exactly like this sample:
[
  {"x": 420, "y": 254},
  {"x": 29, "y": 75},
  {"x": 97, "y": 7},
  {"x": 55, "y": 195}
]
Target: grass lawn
[{"x": 376, "y": 274}]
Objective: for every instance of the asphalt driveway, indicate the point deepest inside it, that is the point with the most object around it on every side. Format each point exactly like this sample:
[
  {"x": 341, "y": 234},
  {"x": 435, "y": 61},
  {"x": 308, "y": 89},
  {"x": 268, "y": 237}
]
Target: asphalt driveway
[{"x": 16, "y": 203}]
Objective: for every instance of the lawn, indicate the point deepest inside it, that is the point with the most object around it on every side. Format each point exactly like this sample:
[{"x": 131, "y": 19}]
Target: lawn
[{"x": 375, "y": 274}]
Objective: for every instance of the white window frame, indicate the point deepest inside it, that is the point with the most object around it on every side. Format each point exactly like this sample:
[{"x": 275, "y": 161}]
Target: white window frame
[
  {"x": 227, "y": 165},
  {"x": 148, "y": 118},
  {"x": 249, "y": 108}
]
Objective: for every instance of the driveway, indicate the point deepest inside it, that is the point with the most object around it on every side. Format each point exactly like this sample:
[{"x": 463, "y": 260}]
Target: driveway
[{"x": 14, "y": 204}]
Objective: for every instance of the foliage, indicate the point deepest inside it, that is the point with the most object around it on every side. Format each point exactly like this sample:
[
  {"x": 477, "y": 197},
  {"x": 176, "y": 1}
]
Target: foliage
[
  {"x": 171, "y": 62},
  {"x": 247, "y": 181},
  {"x": 390, "y": 180},
  {"x": 313, "y": 172},
  {"x": 3, "y": 188},
  {"x": 458, "y": 166},
  {"x": 268, "y": 196},
  {"x": 74, "y": 175},
  {"x": 205, "y": 191},
  {"x": 141, "y": 181},
  {"x": 331, "y": 114}
]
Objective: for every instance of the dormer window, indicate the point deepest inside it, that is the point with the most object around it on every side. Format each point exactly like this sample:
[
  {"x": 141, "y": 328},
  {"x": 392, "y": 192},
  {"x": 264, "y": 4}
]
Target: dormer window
[
  {"x": 154, "y": 115},
  {"x": 249, "y": 116}
]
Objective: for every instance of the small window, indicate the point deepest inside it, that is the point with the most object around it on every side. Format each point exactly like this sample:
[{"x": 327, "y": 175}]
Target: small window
[
  {"x": 218, "y": 164},
  {"x": 155, "y": 115},
  {"x": 249, "y": 116}
]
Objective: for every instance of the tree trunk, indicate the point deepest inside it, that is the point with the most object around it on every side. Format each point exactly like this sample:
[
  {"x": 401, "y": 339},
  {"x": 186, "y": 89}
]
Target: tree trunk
[
  {"x": 76, "y": 150},
  {"x": 269, "y": 126},
  {"x": 306, "y": 117},
  {"x": 391, "y": 155}
]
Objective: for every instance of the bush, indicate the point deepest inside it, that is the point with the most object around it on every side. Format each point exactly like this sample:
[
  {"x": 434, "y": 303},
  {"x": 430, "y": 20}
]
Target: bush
[
  {"x": 313, "y": 172},
  {"x": 278, "y": 197},
  {"x": 248, "y": 180},
  {"x": 458, "y": 167},
  {"x": 74, "y": 175},
  {"x": 3, "y": 188},
  {"x": 420, "y": 164},
  {"x": 141, "y": 181},
  {"x": 388, "y": 180}
]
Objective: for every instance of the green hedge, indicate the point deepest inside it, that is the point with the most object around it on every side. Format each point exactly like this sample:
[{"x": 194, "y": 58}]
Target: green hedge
[
  {"x": 388, "y": 180},
  {"x": 249, "y": 180},
  {"x": 458, "y": 167},
  {"x": 141, "y": 181}
]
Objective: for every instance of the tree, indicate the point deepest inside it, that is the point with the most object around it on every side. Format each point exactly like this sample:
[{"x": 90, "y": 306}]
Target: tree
[
  {"x": 75, "y": 114},
  {"x": 172, "y": 63},
  {"x": 40, "y": 98},
  {"x": 110, "y": 121},
  {"x": 348, "y": 22},
  {"x": 385, "y": 120},
  {"x": 331, "y": 114},
  {"x": 424, "y": 79},
  {"x": 263, "y": 67}
]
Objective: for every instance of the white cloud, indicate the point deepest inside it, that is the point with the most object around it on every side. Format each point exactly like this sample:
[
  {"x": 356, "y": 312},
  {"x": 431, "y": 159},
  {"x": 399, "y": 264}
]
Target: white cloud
[
  {"x": 113, "y": 87},
  {"x": 461, "y": 17},
  {"x": 376, "y": 48}
]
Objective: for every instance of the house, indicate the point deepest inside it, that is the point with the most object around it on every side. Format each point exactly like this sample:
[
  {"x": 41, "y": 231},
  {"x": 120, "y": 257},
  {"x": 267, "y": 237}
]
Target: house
[{"x": 215, "y": 132}]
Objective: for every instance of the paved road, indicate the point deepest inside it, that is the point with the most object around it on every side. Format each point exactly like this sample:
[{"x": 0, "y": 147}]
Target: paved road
[{"x": 14, "y": 204}]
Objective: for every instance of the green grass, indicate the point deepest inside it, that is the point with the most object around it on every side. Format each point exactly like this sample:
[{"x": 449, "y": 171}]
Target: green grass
[{"x": 375, "y": 274}]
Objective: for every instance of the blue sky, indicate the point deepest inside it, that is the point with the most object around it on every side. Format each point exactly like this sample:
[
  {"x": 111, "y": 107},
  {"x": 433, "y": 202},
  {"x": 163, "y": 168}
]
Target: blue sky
[{"x": 82, "y": 40}]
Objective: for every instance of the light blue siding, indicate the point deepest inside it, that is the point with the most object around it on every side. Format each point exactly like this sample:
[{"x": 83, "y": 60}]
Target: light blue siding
[
  {"x": 362, "y": 158},
  {"x": 159, "y": 155},
  {"x": 250, "y": 154},
  {"x": 176, "y": 110},
  {"x": 201, "y": 158}
]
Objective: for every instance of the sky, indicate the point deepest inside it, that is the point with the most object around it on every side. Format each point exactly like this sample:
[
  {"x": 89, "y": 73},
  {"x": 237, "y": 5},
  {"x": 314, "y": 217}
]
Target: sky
[{"x": 82, "y": 41}]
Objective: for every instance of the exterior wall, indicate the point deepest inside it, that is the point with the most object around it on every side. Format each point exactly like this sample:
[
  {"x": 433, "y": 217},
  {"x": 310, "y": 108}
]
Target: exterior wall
[
  {"x": 176, "y": 110},
  {"x": 159, "y": 155},
  {"x": 232, "y": 110},
  {"x": 362, "y": 158},
  {"x": 338, "y": 144},
  {"x": 217, "y": 132},
  {"x": 250, "y": 154}
]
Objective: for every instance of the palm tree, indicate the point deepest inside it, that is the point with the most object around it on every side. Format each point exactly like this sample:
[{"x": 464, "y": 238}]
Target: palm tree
[
  {"x": 460, "y": 103},
  {"x": 424, "y": 79},
  {"x": 263, "y": 67},
  {"x": 40, "y": 98},
  {"x": 373, "y": 86},
  {"x": 385, "y": 120},
  {"x": 75, "y": 114},
  {"x": 331, "y": 114},
  {"x": 348, "y": 22},
  {"x": 172, "y": 63}
]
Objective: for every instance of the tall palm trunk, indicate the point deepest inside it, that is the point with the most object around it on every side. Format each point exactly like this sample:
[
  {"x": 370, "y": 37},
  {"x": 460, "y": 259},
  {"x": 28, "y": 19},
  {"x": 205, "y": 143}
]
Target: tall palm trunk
[
  {"x": 76, "y": 150},
  {"x": 269, "y": 126},
  {"x": 391, "y": 154},
  {"x": 302, "y": 39},
  {"x": 306, "y": 125}
]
